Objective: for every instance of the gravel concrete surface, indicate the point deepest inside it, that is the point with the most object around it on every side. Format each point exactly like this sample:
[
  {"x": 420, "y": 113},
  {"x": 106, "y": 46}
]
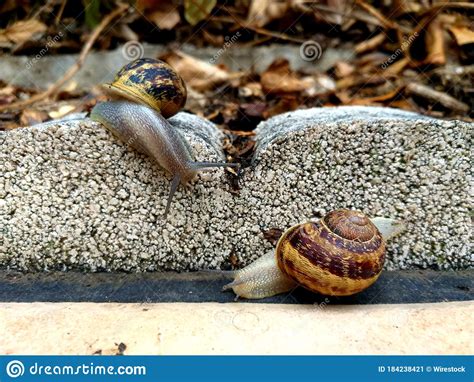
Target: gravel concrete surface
[
  {"x": 385, "y": 162},
  {"x": 72, "y": 196}
]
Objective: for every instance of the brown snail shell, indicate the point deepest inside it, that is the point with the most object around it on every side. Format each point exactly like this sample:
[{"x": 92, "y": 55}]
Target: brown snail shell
[
  {"x": 339, "y": 255},
  {"x": 152, "y": 83}
]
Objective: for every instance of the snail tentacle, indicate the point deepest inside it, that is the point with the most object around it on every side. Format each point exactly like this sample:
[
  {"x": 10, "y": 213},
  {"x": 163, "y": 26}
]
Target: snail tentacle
[
  {"x": 174, "y": 186},
  {"x": 205, "y": 165}
]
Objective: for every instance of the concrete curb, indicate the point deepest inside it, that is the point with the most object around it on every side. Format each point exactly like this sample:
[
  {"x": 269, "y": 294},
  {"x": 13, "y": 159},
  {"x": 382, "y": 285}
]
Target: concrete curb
[
  {"x": 393, "y": 287},
  {"x": 73, "y": 197}
]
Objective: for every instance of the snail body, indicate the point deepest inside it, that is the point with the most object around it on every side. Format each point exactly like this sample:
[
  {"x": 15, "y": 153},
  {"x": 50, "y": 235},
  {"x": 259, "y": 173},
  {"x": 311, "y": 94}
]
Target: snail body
[
  {"x": 145, "y": 92},
  {"x": 339, "y": 255}
]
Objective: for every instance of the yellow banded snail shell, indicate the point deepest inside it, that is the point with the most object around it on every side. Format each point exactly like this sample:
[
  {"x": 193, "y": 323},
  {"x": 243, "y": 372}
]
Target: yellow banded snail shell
[
  {"x": 145, "y": 92},
  {"x": 339, "y": 255},
  {"x": 152, "y": 83}
]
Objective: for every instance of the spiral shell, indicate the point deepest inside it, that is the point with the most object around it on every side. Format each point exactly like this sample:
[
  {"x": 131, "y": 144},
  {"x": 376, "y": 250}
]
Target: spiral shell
[
  {"x": 339, "y": 255},
  {"x": 152, "y": 83}
]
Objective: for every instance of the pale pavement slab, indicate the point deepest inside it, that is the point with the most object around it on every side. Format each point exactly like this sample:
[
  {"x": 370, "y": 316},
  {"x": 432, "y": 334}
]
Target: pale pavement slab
[{"x": 236, "y": 328}]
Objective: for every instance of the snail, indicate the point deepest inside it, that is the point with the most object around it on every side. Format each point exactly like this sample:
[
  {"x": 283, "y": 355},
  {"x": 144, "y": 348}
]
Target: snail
[
  {"x": 145, "y": 92},
  {"x": 339, "y": 255}
]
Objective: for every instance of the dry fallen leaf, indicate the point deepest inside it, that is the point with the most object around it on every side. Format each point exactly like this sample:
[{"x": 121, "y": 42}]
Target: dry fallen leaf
[
  {"x": 8, "y": 125},
  {"x": 30, "y": 117},
  {"x": 343, "y": 69},
  {"x": 285, "y": 103},
  {"x": 463, "y": 35},
  {"x": 279, "y": 78},
  {"x": 198, "y": 74},
  {"x": 405, "y": 104},
  {"x": 251, "y": 89},
  {"x": 338, "y": 9},
  {"x": 323, "y": 83},
  {"x": 20, "y": 32},
  {"x": 379, "y": 98},
  {"x": 212, "y": 39},
  {"x": 401, "y": 7},
  {"x": 252, "y": 110},
  {"x": 434, "y": 42},
  {"x": 370, "y": 44},
  {"x": 7, "y": 90},
  {"x": 164, "y": 15},
  {"x": 397, "y": 66},
  {"x": 62, "y": 111},
  {"x": 261, "y": 12},
  {"x": 229, "y": 112},
  {"x": 7, "y": 94}
]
